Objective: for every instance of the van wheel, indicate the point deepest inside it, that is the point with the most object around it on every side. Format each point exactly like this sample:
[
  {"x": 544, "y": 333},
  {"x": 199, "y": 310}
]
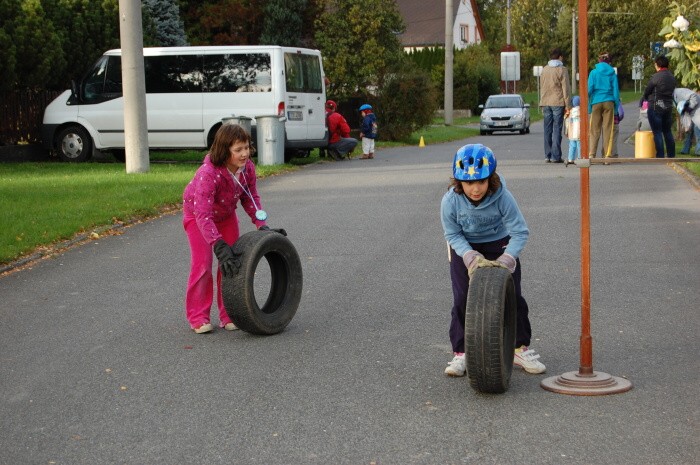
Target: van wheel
[
  {"x": 74, "y": 144},
  {"x": 489, "y": 329},
  {"x": 286, "y": 281},
  {"x": 211, "y": 135}
]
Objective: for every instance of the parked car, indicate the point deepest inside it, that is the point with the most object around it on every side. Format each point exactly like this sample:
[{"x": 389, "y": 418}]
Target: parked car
[{"x": 505, "y": 112}]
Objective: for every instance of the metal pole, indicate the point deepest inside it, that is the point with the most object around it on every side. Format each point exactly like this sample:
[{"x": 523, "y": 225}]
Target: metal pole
[
  {"x": 134, "y": 87},
  {"x": 585, "y": 382},
  {"x": 449, "y": 59},
  {"x": 573, "y": 50}
]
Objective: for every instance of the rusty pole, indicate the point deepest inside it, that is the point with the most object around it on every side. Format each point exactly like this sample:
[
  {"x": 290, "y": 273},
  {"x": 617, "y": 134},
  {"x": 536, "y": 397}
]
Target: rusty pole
[
  {"x": 585, "y": 382},
  {"x": 586, "y": 341}
]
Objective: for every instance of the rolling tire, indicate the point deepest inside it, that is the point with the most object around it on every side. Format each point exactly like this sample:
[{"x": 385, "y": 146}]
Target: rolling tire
[
  {"x": 489, "y": 329},
  {"x": 284, "y": 296},
  {"x": 74, "y": 144}
]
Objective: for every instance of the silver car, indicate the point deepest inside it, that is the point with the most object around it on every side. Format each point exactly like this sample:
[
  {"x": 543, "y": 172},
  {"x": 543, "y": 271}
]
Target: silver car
[{"x": 505, "y": 112}]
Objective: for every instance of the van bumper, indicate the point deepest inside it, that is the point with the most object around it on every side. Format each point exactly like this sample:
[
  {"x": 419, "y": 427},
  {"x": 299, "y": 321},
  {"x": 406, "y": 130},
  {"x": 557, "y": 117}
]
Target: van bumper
[
  {"x": 47, "y": 135},
  {"x": 306, "y": 144}
]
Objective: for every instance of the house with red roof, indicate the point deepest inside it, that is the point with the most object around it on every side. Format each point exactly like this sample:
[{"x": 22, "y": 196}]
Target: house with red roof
[{"x": 425, "y": 23}]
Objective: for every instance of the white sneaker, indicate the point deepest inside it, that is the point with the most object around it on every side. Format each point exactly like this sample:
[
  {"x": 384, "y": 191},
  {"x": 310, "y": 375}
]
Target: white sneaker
[
  {"x": 205, "y": 328},
  {"x": 526, "y": 358},
  {"x": 230, "y": 327},
  {"x": 457, "y": 367}
]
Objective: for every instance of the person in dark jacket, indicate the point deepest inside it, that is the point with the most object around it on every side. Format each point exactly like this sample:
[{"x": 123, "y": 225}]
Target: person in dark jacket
[
  {"x": 339, "y": 141},
  {"x": 368, "y": 131},
  {"x": 659, "y": 93}
]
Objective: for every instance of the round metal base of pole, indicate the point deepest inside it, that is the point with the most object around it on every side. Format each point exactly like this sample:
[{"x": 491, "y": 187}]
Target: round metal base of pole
[{"x": 576, "y": 384}]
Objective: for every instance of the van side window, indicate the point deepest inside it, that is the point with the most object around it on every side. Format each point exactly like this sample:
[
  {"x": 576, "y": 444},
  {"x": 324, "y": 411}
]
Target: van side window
[
  {"x": 303, "y": 73},
  {"x": 174, "y": 74},
  {"x": 240, "y": 72},
  {"x": 104, "y": 81}
]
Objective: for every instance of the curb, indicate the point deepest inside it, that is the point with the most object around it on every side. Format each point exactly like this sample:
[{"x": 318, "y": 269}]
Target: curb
[{"x": 692, "y": 178}]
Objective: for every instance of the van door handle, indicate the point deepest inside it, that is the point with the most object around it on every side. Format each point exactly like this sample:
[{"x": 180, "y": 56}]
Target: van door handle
[{"x": 311, "y": 111}]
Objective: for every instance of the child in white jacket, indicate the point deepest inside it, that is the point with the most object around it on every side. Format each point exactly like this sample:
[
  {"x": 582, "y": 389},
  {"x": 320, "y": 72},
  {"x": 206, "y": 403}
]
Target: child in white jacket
[{"x": 573, "y": 130}]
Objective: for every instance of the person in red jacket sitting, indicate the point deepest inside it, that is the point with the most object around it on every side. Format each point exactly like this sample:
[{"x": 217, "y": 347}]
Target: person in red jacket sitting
[{"x": 340, "y": 143}]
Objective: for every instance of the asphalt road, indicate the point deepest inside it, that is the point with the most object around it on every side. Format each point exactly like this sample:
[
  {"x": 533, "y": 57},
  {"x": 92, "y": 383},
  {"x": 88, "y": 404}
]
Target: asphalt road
[{"x": 99, "y": 366}]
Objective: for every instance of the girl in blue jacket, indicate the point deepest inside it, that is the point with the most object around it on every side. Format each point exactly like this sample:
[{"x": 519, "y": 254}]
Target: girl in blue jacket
[{"x": 483, "y": 227}]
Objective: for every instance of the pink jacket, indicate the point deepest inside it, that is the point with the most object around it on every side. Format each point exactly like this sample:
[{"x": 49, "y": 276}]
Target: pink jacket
[{"x": 212, "y": 196}]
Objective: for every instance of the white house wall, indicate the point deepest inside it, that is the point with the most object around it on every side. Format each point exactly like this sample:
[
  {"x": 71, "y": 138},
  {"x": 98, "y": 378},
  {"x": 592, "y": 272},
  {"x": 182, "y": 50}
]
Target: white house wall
[{"x": 465, "y": 16}]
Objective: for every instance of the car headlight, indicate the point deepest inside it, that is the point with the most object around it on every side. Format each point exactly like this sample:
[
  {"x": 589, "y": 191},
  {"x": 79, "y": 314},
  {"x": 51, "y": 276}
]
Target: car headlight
[
  {"x": 517, "y": 117},
  {"x": 485, "y": 118}
]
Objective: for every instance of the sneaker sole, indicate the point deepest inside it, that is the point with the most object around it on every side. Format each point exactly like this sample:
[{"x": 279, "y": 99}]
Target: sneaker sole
[{"x": 533, "y": 371}]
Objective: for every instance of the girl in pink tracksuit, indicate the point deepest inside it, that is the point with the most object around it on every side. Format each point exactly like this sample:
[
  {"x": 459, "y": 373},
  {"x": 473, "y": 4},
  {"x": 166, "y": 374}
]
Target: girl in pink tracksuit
[{"x": 209, "y": 203}]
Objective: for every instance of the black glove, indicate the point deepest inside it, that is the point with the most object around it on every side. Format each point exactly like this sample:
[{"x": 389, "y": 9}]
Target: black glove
[
  {"x": 278, "y": 230},
  {"x": 229, "y": 261}
]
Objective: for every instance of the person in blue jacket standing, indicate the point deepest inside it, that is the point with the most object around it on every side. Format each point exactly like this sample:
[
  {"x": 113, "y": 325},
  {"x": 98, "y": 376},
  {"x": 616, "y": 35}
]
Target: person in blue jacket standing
[
  {"x": 368, "y": 131},
  {"x": 483, "y": 226},
  {"x": 603, "y": 99}
]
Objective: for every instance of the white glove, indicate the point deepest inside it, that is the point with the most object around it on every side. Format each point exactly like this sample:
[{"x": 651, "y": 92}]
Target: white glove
[{"x": 507, "y": 261}]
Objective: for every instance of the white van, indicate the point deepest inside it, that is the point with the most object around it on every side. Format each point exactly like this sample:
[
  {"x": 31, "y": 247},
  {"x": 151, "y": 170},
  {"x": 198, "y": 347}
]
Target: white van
[{"x": 189, "y": 90}]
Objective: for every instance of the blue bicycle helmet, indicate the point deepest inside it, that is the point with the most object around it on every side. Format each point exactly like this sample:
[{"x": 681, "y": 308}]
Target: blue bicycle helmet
[
  {"x": 365, "y": 107},
  {"x": 473, "y": 162}
]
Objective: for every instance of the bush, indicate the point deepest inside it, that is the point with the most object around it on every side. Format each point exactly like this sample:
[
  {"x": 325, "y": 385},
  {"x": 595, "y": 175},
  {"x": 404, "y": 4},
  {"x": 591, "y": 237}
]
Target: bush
[
  {"x": 476, "y": 75},
  {"x": 407, "y": 102}
]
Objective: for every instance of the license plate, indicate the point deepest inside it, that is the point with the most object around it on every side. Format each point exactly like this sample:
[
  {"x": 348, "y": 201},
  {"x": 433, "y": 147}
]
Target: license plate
[
  {"x": 501, "y": 123},
  {"x": 295, "y": 115}
]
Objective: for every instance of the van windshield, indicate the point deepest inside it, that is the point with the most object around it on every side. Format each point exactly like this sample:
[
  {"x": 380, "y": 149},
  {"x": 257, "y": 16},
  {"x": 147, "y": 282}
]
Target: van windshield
[{"x": 104, "y": 81}]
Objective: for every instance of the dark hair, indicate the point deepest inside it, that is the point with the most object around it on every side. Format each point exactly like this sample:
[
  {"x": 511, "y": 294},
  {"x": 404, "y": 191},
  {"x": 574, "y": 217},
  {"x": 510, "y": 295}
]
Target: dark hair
[
  {"x": 494, "y": 184},
  {"x": 225, "y": 137},
  {"x": 556, "y": 53},
  {"x": 661, "y": 61}
]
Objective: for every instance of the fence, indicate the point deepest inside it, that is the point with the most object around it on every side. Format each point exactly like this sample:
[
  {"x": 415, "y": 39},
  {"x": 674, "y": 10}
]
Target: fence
[{"x": 21, "y": 114}]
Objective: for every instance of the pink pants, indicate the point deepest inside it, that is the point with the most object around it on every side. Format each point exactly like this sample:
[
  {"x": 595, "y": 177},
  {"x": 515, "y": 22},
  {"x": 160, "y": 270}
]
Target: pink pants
[{"x": 200, "y": 285}]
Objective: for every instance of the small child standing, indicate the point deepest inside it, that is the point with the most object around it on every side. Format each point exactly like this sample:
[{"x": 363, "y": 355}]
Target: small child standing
[
  {"x": 368, "y": 131},
  {"x": 573, "y": 130},
  {"x": 483, "y": 226}
]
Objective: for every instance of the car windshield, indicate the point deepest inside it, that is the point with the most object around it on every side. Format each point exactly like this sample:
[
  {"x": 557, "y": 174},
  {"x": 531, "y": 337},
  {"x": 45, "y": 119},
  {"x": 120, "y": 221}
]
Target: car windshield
[{"x": 503, "y": 102}]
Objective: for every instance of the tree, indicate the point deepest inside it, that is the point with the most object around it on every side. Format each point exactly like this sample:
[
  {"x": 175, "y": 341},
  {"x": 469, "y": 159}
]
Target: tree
[
  {"x": 9, "y": 10},
  {"x": 169, "y": 27},
  {"x": 283, "y": 23},
  {"x": 87, "y": 29},
  {"x": 38, "y": 47},
  {"x": 680, "y": 30},
  {"x": 223, "y": 22},
  {"x": 360, "y": 44}
]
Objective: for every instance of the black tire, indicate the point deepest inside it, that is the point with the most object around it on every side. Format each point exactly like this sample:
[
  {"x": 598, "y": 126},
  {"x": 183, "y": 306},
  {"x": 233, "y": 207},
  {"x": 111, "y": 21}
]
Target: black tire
[
  {"x": 286, "y": 283},
  {"x": 74, "y": 144},
  {"x": 489, "y": 329},
  {"x": 482, "y": 132}
]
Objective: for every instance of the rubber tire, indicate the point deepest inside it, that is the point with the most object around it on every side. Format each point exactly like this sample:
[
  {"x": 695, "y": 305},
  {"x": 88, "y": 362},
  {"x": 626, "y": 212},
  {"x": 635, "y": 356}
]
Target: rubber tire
[
  {"x": 74, "y": 144},
  {"x": 283, "y": 300},
  {"x": 489, "y": 329}
]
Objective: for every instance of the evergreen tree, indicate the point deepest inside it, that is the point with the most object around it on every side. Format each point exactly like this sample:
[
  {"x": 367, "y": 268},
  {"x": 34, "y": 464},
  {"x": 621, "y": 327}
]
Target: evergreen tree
[
  {"x": 9, "y": 10},
  {"x": 39, "y": 55},
  {"x": 282, "y": 22},
  {"x": 169, "y": 29}
]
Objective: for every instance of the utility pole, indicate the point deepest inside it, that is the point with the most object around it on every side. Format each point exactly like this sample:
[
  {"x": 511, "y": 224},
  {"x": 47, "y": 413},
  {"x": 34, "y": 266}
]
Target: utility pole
[
  {"x": 134, "y": 86},
  {"x": 574, "y": 54},
  {"x": 449, "y": 58}
]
